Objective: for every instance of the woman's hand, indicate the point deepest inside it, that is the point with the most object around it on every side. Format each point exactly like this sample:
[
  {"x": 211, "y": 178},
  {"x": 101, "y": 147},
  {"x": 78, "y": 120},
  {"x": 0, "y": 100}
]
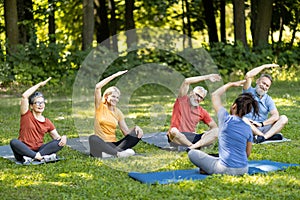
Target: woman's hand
[
  {"x": 44, "y": 82},
  {"x": 139, "y": 132},
  {"x": 119, "y": 73},
  {"x": 63, "y": 141}
]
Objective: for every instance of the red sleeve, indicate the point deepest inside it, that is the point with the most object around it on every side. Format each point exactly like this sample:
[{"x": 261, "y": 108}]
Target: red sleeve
[
  {"x": 50, "y": 125},
  {"x": 205, "y": 116}
]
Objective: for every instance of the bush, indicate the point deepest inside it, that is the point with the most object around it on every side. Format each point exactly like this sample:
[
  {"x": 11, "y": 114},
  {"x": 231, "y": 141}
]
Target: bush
[
  {"x": 33, "y": 62},
  {"x": 235, "y": 60}
]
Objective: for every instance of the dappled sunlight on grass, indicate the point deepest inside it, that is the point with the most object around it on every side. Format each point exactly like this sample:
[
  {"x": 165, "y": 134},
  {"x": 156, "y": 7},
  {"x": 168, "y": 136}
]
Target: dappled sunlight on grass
[
  {"x": 142, "y": 163},
  {"x": 284, "y": 102},
  {"x": 76, "y": 174},
  {"x": 25, "y": 179},
  {"x": 272, "y": 178},
  {"x": 83, "y": 177}
]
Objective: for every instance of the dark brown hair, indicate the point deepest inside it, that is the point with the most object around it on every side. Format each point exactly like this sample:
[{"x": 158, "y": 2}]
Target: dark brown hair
[{"x": 245, "y": 104}]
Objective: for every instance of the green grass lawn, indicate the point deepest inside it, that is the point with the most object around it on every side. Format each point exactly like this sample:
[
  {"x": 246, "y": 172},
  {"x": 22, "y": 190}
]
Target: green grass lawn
[{"x": 83, "y": 177}]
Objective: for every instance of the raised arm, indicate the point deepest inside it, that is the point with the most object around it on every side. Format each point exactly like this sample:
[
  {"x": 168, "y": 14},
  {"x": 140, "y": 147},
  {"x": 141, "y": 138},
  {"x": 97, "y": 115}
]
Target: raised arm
[
  {"x": 24, "y": 101},
  {"x": 184, "y": 88},
  {"x": 102, "y": 83},
  {"x": 216, "y": 95},
  {"x": 249, "y": 75}
]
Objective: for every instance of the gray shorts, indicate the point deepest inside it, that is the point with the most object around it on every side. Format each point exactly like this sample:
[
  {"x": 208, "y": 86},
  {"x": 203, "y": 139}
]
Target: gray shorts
[{"x": 265, "y": 129}]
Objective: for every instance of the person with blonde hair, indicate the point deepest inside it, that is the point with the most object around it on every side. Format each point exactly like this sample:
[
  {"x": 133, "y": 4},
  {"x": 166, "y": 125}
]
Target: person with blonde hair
[{"x": 103, "y": 143}]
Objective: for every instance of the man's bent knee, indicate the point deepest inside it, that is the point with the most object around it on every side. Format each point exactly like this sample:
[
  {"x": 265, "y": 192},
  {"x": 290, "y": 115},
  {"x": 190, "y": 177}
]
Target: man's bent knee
[{"x": 283, "y": 119}]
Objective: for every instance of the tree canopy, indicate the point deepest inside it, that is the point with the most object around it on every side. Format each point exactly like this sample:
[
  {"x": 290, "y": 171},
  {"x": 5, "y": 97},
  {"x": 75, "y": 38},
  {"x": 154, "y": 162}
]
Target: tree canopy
[{"x": 66, "y": 29}]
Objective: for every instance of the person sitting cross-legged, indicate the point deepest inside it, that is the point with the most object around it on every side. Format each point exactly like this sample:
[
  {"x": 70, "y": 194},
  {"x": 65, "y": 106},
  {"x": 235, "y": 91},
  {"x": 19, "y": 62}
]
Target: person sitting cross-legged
[
  {"x": 33, "y": 127},
  {"x": 187, "y": 113},
  {"x": 235, "y": 135},
  {"x": 264, "y": 127},
  {"x": 104, "y": 142}
]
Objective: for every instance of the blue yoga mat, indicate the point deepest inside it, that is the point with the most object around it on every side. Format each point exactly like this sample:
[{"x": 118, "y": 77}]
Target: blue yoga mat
[
  {"x": 174, "y": 176},
  {"x": 6, "y": 152}
]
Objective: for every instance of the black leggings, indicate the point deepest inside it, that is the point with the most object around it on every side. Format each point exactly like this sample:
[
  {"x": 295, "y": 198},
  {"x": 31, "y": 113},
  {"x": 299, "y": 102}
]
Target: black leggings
[
  {"x": 97, "y": 145},
  {"x": 20, "y": 149}
]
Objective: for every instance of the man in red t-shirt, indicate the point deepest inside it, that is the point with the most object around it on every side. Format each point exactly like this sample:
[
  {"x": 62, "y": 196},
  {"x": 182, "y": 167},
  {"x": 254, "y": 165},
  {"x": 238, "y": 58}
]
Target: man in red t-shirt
[{"x": 187, "y": 113}]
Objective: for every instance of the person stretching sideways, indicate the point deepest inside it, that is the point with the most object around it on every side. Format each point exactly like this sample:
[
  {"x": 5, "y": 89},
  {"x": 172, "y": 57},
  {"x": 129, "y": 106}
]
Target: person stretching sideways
[
  {"x": 33, "y": 127},
  {"x": 104, "y": 142},
  {"x": 187, "y": 113},
  {"x": 263, "y": 127},
  {"x": 235, "y": 135}
]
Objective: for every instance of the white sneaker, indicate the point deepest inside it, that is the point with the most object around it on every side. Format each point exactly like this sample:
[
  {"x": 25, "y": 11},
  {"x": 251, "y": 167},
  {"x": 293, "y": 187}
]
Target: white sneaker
[
  {"x": 126, "y": 153},
  {"x": 106, "y": 155},
  {"x": 27, "y": 160},
  {"x": 49, "y": 158}
]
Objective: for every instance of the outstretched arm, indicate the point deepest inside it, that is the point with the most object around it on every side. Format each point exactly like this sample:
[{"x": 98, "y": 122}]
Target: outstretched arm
[
  {"x": 216, "y": 95},
  {"x": 184, "y": 88},
  {"x": 102, "y": 83},
  {"x": 27, "y": 93},
  {"x": 249, "y": 75}
]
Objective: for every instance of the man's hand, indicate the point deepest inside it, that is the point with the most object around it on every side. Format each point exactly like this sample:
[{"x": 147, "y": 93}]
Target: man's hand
[
  {"x": 214, "y": 77},
  {"x": 269, "y": 65},
  {"x": 255, "y": 123}
]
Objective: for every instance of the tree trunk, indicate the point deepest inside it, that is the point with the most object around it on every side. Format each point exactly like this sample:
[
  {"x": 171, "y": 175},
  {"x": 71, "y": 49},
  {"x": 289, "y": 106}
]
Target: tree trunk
[
  {"x": 11, "y": 19},
  {"x": 25, "y": 15},
  {"x": 102, "y": 28},
  {"x": 281, "y": 28},
  {"x": 261, "y": 12},
  {"x": 223, "y": 20},
  {"x": 88, "y": 24},
  {"x": 189, "y": 26},
  {"x": 113, "y": 25},
  {"x": 51, "y": 21},
  {"x": 183, "y": 24},
  {"x": 239, "y": 22},
  {"x": 210, "y": 21},
  {"x": 294, "y": 29},
  {"x": 129, "y": 23}
]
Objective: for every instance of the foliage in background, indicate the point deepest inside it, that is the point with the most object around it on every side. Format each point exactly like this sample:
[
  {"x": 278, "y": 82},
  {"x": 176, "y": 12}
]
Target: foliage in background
[
  {"x": 32, "y": 64},
  {"x": 235, "y": 60}
]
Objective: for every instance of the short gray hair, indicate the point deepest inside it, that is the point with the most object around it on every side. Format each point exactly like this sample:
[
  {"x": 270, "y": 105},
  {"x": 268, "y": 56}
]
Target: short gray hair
[
  {"x": 267, "y": 76},
  {"x": 202, "y": 89},
  {"x": 33, "y": 96}
]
